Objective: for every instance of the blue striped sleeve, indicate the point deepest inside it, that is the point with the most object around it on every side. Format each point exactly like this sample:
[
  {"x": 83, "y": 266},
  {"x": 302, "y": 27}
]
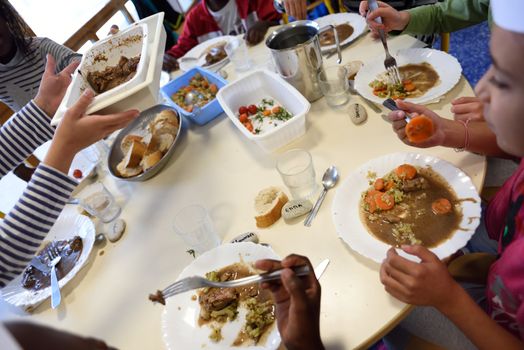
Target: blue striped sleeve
[
  {"x": 28, "y": 223},
  {"x": 21, "y": 135}
]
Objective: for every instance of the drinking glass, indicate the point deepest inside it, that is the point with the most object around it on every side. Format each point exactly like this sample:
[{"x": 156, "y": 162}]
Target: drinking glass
[
  {"x": 99, "y": 202},
  {"x": 334, "y": 85},
  {"x": 297, "y": 172},
  {"x": 193, "y": 224},
  {"x": 236, "y": 50}
]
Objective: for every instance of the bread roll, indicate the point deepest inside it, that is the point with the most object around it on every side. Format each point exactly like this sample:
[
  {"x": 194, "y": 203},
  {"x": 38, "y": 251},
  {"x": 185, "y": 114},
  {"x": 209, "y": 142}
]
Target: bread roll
[
  {"x": 151, "y": 160},
  {"x": 126, "y": 142},
  {"x": 167, "y": 115},
  {"x": 268, "y": 206},
  {"x": 128, "y": 172},
  {"x": 164, "y": 127},
  {"x": 165, "y": 142}
]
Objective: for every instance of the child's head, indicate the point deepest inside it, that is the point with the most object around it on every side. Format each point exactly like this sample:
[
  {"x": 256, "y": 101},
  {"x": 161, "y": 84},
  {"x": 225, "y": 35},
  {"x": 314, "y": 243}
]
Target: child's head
[
  {"x": 14, "y": 32},
  {"x": 502, "y": 87}
]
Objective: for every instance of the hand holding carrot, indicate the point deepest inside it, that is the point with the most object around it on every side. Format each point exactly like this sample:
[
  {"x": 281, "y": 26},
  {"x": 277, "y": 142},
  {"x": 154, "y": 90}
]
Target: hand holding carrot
[{"x": 399, "y": 125}]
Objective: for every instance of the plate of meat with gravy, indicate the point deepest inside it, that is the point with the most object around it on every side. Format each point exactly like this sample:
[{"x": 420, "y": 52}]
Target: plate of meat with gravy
[
  {"x": 404, "y": 199},
  {"x": 74, "y": 235},
  {"x": 223, "y": 318}
]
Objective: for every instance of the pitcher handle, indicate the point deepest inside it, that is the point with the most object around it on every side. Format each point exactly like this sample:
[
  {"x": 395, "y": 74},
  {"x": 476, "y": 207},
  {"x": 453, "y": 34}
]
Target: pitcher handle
[{"x": 337, "y": 42}]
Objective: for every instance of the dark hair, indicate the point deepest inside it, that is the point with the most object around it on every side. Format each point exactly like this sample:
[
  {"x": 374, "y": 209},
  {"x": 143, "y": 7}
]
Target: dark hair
[{"x": 17, "y": 27}]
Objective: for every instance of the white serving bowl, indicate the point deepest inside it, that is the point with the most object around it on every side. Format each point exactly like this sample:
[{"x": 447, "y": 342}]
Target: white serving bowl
[{"x": 254, "y": 87}]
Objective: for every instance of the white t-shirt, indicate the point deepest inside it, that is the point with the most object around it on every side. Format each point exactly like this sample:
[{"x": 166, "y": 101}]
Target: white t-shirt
[
  {"x": 7, "y": 342},
  {"x": 228, "y": 19}
]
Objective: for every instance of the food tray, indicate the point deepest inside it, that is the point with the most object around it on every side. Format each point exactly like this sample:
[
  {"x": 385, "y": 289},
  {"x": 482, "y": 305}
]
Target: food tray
[
  {"x": 138, "y": 127},
  {"x": 146, "y": 38},
  {"x": 251, "y": 89},
  {"x": 207, "y": 113}
]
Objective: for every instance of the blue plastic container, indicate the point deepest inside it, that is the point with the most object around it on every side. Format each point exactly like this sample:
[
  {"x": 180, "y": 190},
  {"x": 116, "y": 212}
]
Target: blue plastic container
[{"x": 208, "y": 112}]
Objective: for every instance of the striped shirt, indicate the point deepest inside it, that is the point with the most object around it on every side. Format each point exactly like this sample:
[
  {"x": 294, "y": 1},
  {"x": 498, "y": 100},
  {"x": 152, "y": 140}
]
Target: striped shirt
[
  {"x": 20, "y": 78},
  {"x": 28, "y": 223}
]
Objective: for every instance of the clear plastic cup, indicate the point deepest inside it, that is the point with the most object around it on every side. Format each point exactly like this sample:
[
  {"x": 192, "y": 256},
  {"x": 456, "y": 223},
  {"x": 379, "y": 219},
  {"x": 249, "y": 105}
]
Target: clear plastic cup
[
  {"x": 99, "y": 202},
  {"x": 298, "y": 173},
  {"x": 237, "y": 53},
  {"x": 193, "y": 224},
  {"x": 333, "y": 81}
]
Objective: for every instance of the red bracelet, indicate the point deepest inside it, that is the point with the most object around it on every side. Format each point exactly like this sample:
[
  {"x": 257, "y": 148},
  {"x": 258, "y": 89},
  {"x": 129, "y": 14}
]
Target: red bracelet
[{"x": 466, "y": 136}]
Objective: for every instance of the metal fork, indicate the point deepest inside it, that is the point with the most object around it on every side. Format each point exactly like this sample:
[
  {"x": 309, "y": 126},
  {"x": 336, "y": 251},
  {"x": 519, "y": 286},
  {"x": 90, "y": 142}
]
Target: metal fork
[
  {"x": 54, "y": 259},
  {"x": 195, "y": 282},
  {"x": 390, "y": 63}
]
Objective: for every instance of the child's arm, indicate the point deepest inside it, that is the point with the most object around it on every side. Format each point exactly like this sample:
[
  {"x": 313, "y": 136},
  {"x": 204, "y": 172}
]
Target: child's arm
[
  {"x": 449, "y": 133},
  {"x": 429, "y": 283}
]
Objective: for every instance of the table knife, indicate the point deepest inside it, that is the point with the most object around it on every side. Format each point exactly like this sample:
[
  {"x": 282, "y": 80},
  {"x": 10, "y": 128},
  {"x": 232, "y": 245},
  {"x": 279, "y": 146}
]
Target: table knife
[{"x": 319, "y": 270}]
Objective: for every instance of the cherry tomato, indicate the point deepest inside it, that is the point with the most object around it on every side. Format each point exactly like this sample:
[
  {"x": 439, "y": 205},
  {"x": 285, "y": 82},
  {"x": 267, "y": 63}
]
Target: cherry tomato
[
  {"x": 77, "y": 174},
  {"x": 242, "y": 110},
  {"x": 243, "y": 118},
  {"x": 252, "y": 109}
]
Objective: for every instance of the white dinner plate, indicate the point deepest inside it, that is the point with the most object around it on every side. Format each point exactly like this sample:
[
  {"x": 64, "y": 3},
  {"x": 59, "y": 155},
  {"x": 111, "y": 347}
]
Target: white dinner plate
[
  {"x": 447, "y": 67},
  {"x": 346, "y": 215},
  {"x": 180, "y": 316},
  {"x": 69, "y": 224},
  {"x": 355, "y": 20},
  {"x": 199, "y": 50}
]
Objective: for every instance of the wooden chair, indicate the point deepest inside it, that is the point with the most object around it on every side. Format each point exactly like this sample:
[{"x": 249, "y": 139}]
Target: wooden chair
[{"x": 315, "y": 4}]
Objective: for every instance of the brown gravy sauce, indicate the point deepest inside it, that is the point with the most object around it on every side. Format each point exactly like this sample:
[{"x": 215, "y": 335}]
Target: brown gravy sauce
[
  {"x": 427, "y": 227},
  {"x": 70, "y": 251},
  {"x": 422, "y": 75},
  {"x": 344, "y": 31}
]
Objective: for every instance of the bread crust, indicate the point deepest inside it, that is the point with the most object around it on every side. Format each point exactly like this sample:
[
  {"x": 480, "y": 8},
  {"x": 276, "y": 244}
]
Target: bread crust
[{"x": 268, "y": 214}]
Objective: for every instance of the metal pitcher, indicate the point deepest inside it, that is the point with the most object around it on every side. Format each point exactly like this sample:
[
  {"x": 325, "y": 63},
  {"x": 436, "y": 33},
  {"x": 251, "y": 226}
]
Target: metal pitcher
[{"x": 297, "y": 56}]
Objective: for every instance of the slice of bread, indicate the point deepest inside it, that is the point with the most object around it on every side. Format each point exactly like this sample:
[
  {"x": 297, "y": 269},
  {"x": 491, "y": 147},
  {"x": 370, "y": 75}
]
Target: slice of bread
[
  {"x": 135, "y": 154},
  {"x": 164, "y": 127},
  {"x": 268, "y": 206},
  {"x": 127, "y": 141},
  {"x": 151, "y": 159}
]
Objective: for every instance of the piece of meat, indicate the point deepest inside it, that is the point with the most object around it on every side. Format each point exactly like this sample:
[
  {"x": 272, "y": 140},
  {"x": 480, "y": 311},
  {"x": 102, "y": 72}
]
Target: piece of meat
[
  {"x": 416, "y": 184},
  {"x": 218, "y": 298},
  {"x": 158, "y": 297},
  {"x": 112, "y": 76}
]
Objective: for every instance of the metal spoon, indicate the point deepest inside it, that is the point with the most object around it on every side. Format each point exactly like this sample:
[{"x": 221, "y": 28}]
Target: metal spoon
[
  {"x": 329, "y": 180},
  {"x": 389, "y": 103},
  {"x": 190, "y": 98}
]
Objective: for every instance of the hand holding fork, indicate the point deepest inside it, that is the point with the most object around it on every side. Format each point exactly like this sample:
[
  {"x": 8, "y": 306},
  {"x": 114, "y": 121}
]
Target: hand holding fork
[{"x": 390, "y": 63}]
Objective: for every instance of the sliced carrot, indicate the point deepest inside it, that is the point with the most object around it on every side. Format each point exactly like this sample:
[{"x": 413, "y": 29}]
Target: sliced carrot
[
  {"x": 409, "y": 86},
  {"x": 384, "y": 201},
  {"x": 379, "y": 184},
  {"x": 213, "y": 88},
  {"x": 419, "y": 129},
  {"x": 266, "y": 112},
  {"x": 390, "y": 185},
  {"x": 189, "y": 108},
  {"x": 276, "y": 109},
  {"x": 406, "y": 171},
  {"x": 370, "y": 200},
  {"x": 249, "y": 126},
  {"x": 441, "y": 206}
]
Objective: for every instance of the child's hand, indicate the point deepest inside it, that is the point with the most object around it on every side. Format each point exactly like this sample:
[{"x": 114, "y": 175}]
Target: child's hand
[
  {"x": 426, "y": 283},
  {"x": 53, "y": 86},
  {"x": 256, "y": 33},
  {"x": 399, "y": 124},
  {"x": 468, "y": 108},
  {"x": 297, "y": 303}
]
